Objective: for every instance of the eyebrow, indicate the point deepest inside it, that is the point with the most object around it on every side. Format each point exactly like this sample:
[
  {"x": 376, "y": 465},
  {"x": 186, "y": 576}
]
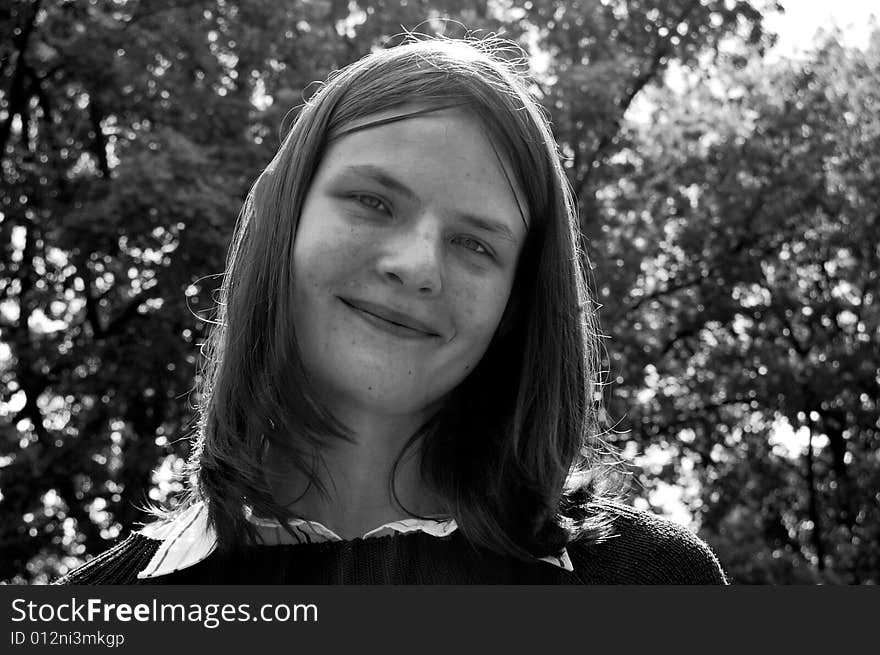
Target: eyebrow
[{"x": 382, "y": 177}]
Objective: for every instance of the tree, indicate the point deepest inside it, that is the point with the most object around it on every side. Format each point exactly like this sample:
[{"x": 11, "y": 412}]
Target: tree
[{"x": 750, "y": 215}]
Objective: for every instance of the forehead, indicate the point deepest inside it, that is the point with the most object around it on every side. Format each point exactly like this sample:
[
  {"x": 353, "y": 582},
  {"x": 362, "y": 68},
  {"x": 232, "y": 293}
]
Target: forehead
[{"x": 444, "y": 151}]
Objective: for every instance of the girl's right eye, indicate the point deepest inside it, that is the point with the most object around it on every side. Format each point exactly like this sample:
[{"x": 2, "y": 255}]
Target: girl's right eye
[{"x": 371, "y": 202}]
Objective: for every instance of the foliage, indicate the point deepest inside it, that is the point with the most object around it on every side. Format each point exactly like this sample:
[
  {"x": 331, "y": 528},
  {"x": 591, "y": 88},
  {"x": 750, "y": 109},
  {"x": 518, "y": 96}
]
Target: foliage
[
  {"x": 733, "y": 238},
  {"x": 750, "y": 205}
]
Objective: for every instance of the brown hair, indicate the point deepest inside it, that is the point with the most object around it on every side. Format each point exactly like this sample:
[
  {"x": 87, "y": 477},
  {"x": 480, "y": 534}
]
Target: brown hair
[{"x": 510, "y": 447}]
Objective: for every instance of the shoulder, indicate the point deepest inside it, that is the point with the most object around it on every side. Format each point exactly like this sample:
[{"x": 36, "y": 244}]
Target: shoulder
[
  {"x": 643, "y": 548},
  {"x": 172, "y": 542},
  {"x": 118, "y": 565}
]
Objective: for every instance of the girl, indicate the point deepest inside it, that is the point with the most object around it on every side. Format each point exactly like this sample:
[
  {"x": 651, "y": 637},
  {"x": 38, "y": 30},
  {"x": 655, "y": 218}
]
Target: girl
[{"x": 400, "y": 385}]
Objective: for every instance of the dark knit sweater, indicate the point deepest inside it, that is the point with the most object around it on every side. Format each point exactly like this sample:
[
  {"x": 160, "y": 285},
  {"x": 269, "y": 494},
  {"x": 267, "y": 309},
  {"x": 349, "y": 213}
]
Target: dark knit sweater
[{"x": 642, "y": 549}]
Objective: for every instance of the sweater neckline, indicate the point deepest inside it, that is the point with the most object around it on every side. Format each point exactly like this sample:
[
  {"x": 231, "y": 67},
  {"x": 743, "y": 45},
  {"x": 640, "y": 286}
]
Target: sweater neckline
[{"x": 189, "y": 538}]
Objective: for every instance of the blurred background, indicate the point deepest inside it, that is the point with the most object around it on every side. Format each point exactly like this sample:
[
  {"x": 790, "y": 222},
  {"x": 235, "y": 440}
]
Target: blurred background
[{"x": 726, "y": 160}]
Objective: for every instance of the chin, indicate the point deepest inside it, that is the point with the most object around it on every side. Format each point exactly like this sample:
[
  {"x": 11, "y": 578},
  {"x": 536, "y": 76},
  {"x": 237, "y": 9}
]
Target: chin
[
  {"x": 395, "y": 402},
  {"x": 385, "y": 385}
]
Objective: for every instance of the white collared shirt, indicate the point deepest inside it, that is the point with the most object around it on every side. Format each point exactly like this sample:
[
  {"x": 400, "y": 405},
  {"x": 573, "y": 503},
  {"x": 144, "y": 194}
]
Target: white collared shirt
[{"x": 188, "y": 538}]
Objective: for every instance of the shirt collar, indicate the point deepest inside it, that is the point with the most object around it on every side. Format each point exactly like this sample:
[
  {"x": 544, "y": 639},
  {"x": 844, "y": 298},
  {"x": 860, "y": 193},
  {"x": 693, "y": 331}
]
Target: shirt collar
[{"x": 188, "y": 538}]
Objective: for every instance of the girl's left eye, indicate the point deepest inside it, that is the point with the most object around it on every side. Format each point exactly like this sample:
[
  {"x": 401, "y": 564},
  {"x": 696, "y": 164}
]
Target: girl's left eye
[
  {"x": 473, "y": 244},
  {"x": 371, "y": 202}
]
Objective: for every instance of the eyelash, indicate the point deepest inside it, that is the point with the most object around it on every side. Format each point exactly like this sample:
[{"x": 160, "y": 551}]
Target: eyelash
[{"x": 371, "y": 202}]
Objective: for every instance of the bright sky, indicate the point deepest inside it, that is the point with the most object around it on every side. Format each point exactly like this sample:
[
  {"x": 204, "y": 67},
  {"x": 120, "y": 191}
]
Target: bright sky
[{"x": 797, "y": 27}]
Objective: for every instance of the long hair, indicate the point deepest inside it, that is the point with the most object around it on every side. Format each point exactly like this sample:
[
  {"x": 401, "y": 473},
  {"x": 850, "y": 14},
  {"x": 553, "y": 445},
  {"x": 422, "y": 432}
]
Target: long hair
[{"x": 513, "y": 444}]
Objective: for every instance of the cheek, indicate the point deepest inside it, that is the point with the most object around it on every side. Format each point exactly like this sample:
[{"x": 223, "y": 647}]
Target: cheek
[
  {"x": 480, "y": 308},
  {"x": 325, "y": 255}
]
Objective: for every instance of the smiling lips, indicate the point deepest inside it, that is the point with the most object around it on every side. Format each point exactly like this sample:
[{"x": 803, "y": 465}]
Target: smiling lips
[{"x": 389, "y": 320}]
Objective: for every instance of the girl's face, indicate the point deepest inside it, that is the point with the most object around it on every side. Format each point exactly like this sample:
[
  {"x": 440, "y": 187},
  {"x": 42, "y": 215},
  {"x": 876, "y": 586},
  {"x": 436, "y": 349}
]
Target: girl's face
[{"x": 404, "y": 260}]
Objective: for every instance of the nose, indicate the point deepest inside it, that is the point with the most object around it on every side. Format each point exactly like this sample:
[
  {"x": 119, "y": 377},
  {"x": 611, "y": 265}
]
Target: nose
[{"x": 414, "y": 259}]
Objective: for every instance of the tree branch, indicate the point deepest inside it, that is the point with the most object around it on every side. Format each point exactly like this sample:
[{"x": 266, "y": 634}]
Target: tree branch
[
  {"x": 17, "y": 96},
  {"x": 662, "y": 50},
  {"x": 130, "y": 311},
  {"x": 99, "y": 144},
  {"x": 672, "y": 288}
]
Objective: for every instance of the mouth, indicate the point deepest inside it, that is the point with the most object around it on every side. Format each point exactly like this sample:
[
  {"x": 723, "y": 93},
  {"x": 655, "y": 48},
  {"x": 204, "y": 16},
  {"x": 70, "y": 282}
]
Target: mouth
[{"x": 389, "y": 320}]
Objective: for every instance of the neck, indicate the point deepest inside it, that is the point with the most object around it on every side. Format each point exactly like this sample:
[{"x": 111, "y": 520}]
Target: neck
[{"x": 357, "y": 478}]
